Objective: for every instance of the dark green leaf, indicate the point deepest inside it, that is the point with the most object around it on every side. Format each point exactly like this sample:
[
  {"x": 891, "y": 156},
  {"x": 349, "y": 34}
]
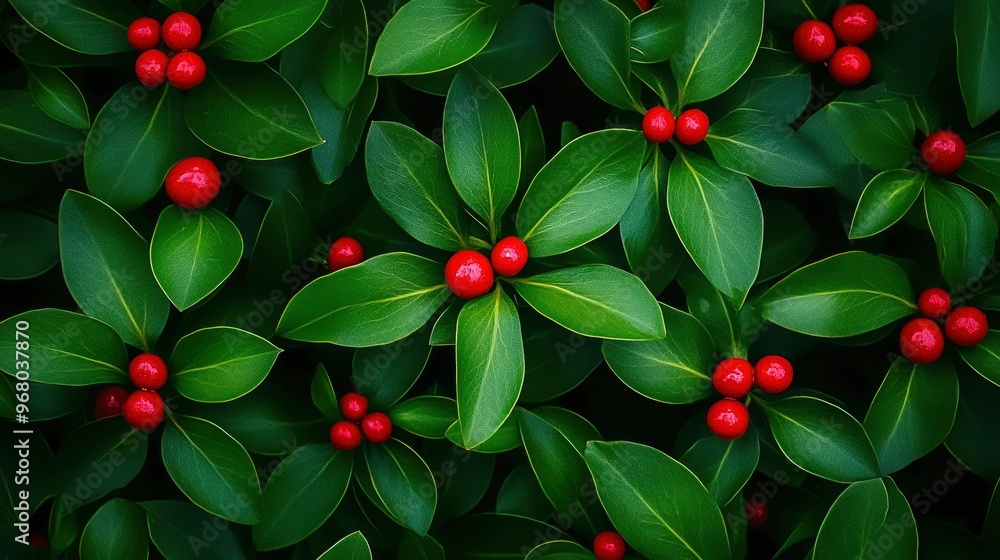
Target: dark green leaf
[
  {"x": 886, "y": 199},
  {"x": 788, "y": 239},
  {"x": 506, "y": 438},
  {"x": 342, "y": 69},
  {"x": 87, "y": 26},
  {"x": 971, "y": 437},
  {"x": 98, "y": 458},
  {"x": 978, "y": 45},
  {"x": 492, "y": 536},
  {"x": 29, "y": 245},
  {"x": 419, "y": 547},
  {"x": 852, "y": 520},
  {"x": 428, "y": 416},
  {"x": 879, "y": 134},
  {"x": 351, "y": 547},
  {"x": 323, "y": 395},
  {"x": 255, "y": 30},
  {"x": 384, "y": 374},
  {"x": 281, "y": 251},
  {"x": 964, "y": 230},
  {"x": 982, "y": 163},
  {"x": 117, "y": 530},
  {"x": 179, "y": 529},
  {"x": 658, "y": 34},
  {"x": 220, "y": 364},
  {"x": 58, "y": 96},
  {"x": 28, "y": 135},
  {"x": 983, "y": 357},
  {"x": 555, "y": 359},
  {"x": 403, "y": 484},
  {"x": 723, "y": 466}
]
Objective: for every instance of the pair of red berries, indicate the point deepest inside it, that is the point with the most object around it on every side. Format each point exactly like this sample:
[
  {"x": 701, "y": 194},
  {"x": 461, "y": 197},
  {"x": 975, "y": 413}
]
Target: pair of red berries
[
  {"x": 659, "y": 125},
  {"x": 922, "y": 342},
  {"x": 814, "y": 42},
  {"x": 144, "y": 408},
  {"x": 733, "y": 378},
  {"x": 609, "y": 545},
  {"x": 344, "y": 252},
  {"x": 193, "y": 182},
  {"x": 943, "y": 152},
  {"x": 181, "y": 32},
  {"x": 346, "y": 434},
  {"x": 469, "y": 274}
]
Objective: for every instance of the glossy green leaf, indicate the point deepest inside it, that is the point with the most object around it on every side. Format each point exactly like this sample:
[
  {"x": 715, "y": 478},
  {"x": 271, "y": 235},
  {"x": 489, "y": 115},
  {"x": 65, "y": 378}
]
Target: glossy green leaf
[
  {"x": 28, "y": 135},
  {"x": 964, "y": 230},
  {"x": 427, "y": 416},
  {"x": 983, "y": 357},
  {"x": 87, "y": 26},
  {"x": 384, "y": 374},
  {"x": 879, "y": 134},
  {"x": 403, "y": 483},
  {"x": 98, "y": 458},
  {"x": 971, "y": 435},
  {"x": 506, "y": 438},
  {"x": 789, "y": 239},
  {"x": 658, "y": 33},
  {"x": 117, "y": 530},
  {"x": 180, "y": 529},
  {"x": 852, "y": 520},
  {"x": 256, "y": 30},
  {"x": 982, "y": 163},
  {"x": 556, "y": 360},
  {"x": 494, "y": 536},
  {"x": 282, "y": 249},
  {"x": 343, "y": 68},
  {"x": 419, "y": 547},
  {"x": 523, "y": 45},
  {"x": 220, "y": 364},
  {"x": 723, "y": 465},
  {"x": 886, "y": 199},
  {"x": 323, "y": 395},
  {"x": 351, "y": 547},
  {"x": 29, "y": 245},
  {"x": 714, "y": 311},
  {"x": 978, "y": 45},
  {"x": 58, "y": 96}
]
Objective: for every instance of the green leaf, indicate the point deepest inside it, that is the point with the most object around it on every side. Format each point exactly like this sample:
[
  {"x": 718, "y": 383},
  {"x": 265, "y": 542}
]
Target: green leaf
[
  {"x": 220, "y": 364},
  {"x": 789, "y": 239},
  {"x": 879, "y": 134},
  {"x": 657, "y": 33},
  {"x": 403, "y": 484},
  {"x": 180, "y": 529},
  {"x": 212, "y": 469},
  {"x": 719, "y": 220},
  {"x": 912, "y": 412},
  {"x": 657, "y": 504},
  {"x": 419, "y": 547},
  {"x": 597, "y": 170},
  {"x": 87, "y": 26},
  {"x": 63, "y": 348},
  {"x": 844, "y": 295},
  {"x": 323, "y": 395},
  {"x": 265, "y": 118},
  {"x": 595, "y": 300},
  {"x": 715, "y": 312},
  {"x": 409, "y": 177},
  {"x": 58, "y": 96},
  {"x": 494, "y": 536},
  {"x": 723, "y": 465},
  {"x": 352, "y": 306},
  {"x": 430, "y": 35},
  {"x": 559, "y": 550},
  {"x": 301, "y": 494},
  {"x": 284, "y": 243},
  {"x": 556, "y": 360},
  {"x": 595, "y": 38},
  {"x": 342, "y": 70},
  {"x": 342, "y": 130},
  {"x": 481, "y": 146},
  {"x": 29, "y": 245},
  {"x": 98, "y": 458},
  {"x": 978, "y": 45},
  {"x": 523, "y": 45},
  {"x": 351, "y": 547},
  {"x": 673, "y": 370},
  {"x": 720, "y": 41},
  {"x": 852, "y": 520},
  {"x": 964, "y": 230},
  {"x": 190, "y": 6},
  {"x": 490, "y": 365},
  {"x": 983, "y": 357},
  {"x": 886, "y": 199},
  {"x": 506, "y": 438},
  {"x": 899, "y": 524},
  {"x": 428, "y": 416},
  {"x": 384, "y": 374},
  {"x": 117, "y": 530},
  {"x": 971, "y": 437},
  {"x": 982, "y": 163},
  {"x": 28, "y": 135},
  {"x": 822, "y": 439},
  {"x": 256, "y": 30},
  {"x": 193, "y": 253},
  {"x": 106, "y": 266}
]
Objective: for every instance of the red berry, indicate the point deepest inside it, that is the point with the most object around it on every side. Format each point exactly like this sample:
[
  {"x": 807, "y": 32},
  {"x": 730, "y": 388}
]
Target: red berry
[
  {"x": 353, "y": 406},
  {"x": 756, "y": 513},
  {"x": 186, "y": 70},
  {"x": 151, "y": 68},
  {"x": 109, "y": 402},
  {"x": 728, "y": 418},
  {"x": 733, "y": 377},
  {"x": 692, "y": 126},
  {"x": 658, "y": 124},
  {"x": 148, "y": 371},
  {"x": 143, "y": 410},
  {"x": 773, "y": 374},
  {"x": 921, "y": 341},
  {"x": 509, "y": 256},
  {"x": 814, "y": 41},
  {"x": 193, "y": 182},
  {"x": 182, "y": 31},
  {"x": 144, "y": 33},
  {"x": 966, "y": 326},
  {"x": 943, "y": 152},
  {"x": 38, "y": 540},
  {"x": 377, "y": 427},
  {"x": 344, "y": 252},
  {"x": 468, "y": 274},
  {"x": 643, "y": 5},
  {"x": 609, "y": 545},
  {"x": 850, "y": 66},
  {"x": 934, "y": 303},
  {"x": 345, "y": 435},
  {"x": 855, "y": 23}
]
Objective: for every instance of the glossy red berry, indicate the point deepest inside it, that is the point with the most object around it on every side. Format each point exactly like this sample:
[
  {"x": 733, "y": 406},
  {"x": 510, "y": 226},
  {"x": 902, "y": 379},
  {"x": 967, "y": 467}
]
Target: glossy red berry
[
  {"x": 934, "y": 303},
  {"x": 377, "y": 427},
  {"x": 921, "y": 341},
  {"x": 193, "y": 182},
  {"x": 943, "y": 152},
  {"x": 756, "y": 513},
  {"x": 728, "y": 418},
  {"x": 144, "y": 410},
  {"x": 658, "y": 124},
  {"x": 814, "y": 41},
  {"x": 110, "y": 402},
  {"x": 148, "y": 371},
  {"x": 353, "y": 406},
  {"x": 773, "y": 374},
  {"x": 344, "y": 252},
  {"x": 151, "y": 68},
  {"x": 850, "y": 66},
  {"x": 692, "y": 126},
  {"x": 609, "y": 545},
  {"x": 182, "y": 31},
  {"x": 854, "y": 23},
  {"x": 966, "y": 326},
  {"x": 643, "y": 5},
  {"x": 509, "y": 256},
  {"x": 345, "y": 435},
  {"x": 186, "y": 70},
  {"x": 144, "y": 33},
  {"x": 733, "y": 377},
  {"x": 468, "y": 274}
]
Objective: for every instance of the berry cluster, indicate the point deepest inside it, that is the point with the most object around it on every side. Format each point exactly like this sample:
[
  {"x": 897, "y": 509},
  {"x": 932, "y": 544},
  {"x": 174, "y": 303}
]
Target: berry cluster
[
  {"x": 469, "y": 274},
  {"x": 609, "y": 545},
  {"x": 144, "y": 408},
  {"x": 181, "y": 32},
  {"x": 922, "y": 342},
  {"x": 733, "y": 379},
  {"x": 690, "y": 128},
  {"x": 193, "y": 182},
  {"x": 346, "y": 434},
  {"x": 816, "y": 42}
]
